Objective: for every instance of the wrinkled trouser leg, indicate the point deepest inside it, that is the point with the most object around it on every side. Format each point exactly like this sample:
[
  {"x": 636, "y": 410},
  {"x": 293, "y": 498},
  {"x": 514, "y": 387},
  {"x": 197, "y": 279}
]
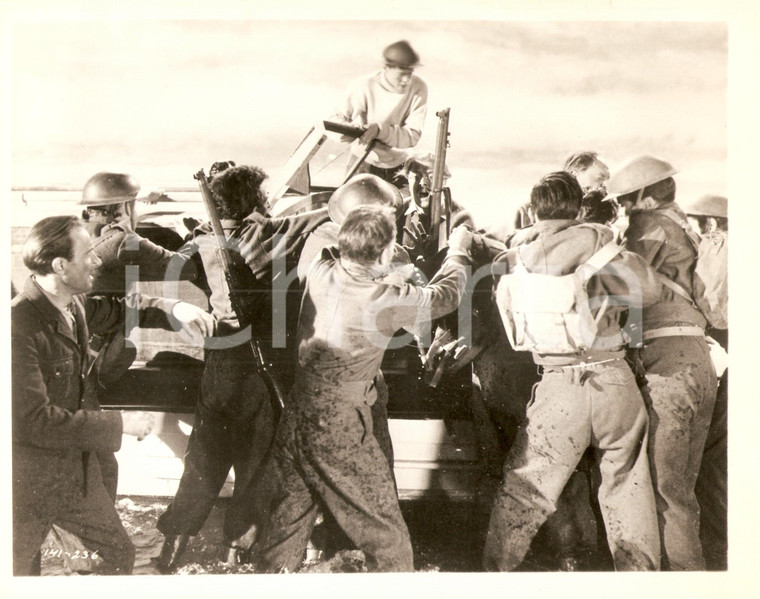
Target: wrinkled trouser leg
[
  {"x": 603, "y": 409},
  {"x": 681, "y": 389},
  {"x": 234, "y": 426},
  {"x": 328, "y": 453},
  {"x": 502, "y": 384},
  {"x": 546, "y": 451},
  {"x": 626, "y": 497},
  {"x": 712, "y": 485},
  {"x": 92, "y": 518}
]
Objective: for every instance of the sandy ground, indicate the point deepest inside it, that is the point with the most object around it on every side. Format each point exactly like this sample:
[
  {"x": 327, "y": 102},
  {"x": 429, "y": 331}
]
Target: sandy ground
[{"x": 446, "y": 536}]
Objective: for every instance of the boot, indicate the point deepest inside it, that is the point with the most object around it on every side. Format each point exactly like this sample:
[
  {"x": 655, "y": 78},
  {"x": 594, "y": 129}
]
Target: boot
[{"x": 171, "y": 552}]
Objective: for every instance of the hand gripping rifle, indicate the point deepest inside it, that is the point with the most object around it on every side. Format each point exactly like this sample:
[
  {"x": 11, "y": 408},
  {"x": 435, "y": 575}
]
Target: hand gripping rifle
[
  {"x": 440, "y": 197},
  {"x": 262, "y": 366}
]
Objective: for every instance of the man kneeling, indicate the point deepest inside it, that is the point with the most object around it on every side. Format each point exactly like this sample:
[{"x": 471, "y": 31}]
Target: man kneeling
[{"x": 564, "y": 299}]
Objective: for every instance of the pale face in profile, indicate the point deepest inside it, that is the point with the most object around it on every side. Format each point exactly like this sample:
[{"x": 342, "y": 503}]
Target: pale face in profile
[
  {"x": 593, "y": 178},
  {"x": 78, "y": 273}
]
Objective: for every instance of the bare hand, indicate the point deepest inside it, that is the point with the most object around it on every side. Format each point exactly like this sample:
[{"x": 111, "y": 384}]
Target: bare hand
[
  {"x": 370, "y": 133},
  {"x": 460, "y": 240},
  {"x": 193, "y": 317},
  {"x": 137, "y": 424}
]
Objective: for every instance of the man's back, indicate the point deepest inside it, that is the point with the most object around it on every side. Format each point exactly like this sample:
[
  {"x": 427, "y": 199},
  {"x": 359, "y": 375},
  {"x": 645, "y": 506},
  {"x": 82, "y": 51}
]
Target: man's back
[{"x": 665, "y": 246}]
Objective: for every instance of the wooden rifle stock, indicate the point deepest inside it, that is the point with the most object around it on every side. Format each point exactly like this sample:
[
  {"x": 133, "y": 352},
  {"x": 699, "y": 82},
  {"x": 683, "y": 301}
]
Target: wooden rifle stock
[
  {"x": 440, "y": 198},
  {"x": 263, "y": 367}
]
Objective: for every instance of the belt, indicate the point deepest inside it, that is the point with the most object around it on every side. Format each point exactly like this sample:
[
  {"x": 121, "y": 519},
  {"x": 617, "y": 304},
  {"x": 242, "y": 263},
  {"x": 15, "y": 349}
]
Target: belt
[
  {"x": 685, "y": 331},
  {"x": 578, "y": 360}
]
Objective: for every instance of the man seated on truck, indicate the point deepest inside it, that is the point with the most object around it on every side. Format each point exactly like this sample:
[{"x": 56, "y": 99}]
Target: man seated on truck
[
  {"x": 326, "y": 456},
  {"x": 390, "y": 105}
]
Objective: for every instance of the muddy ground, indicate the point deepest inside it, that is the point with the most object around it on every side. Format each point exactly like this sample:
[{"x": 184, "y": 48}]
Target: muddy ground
[{"x": 447, "y": 536}]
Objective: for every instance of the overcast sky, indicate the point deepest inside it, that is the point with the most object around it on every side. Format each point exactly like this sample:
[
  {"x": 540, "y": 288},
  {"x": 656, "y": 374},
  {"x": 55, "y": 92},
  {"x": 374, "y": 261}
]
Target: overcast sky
[{"x": 164, "y": 98}]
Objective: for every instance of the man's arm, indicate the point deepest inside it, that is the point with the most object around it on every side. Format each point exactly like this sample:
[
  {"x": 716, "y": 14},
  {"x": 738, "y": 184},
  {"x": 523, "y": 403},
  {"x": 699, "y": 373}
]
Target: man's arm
[
  {"x": 153, "y": 259},
  {"x": 106, "y": 314},
  {"x": 629, "y": 276},
  {"x": 407, "y": 133},
  {"x": 260, "y": 240},
  {"x": 444, "y": 292}
]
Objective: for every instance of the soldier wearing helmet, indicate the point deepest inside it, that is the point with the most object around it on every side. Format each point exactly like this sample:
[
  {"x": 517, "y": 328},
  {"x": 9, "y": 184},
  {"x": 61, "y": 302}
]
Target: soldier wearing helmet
[
  {"x": 390, "y": 105},
  {"x": 709, "y": 216},
  {"x": 109, "y": 200},
  {"x": 110, "y": 218},
  {"x": 681, "y": 380}
]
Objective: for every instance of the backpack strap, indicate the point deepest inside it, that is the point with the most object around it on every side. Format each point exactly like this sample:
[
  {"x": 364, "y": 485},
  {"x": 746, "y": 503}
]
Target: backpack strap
[
  {"x": 599, "y": 260},
  {"x": 675, "y": 288},
  {"x": 684, "y": 224},
  {"x": 695, "y": 242}
]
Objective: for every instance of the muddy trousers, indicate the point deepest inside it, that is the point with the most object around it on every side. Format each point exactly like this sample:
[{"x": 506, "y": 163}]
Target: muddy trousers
[
  {"x": 234, "y": 428},
  {"x": 327, "y": 457},
  {"x": 680, "y": 396},
  {"x": 574, "y": 408},
  {"x": 91, "y": 516}
]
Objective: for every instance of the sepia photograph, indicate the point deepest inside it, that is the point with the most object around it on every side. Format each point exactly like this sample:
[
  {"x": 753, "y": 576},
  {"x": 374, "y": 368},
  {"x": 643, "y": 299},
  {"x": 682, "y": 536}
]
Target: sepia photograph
[{"x": 423, "y": 299}]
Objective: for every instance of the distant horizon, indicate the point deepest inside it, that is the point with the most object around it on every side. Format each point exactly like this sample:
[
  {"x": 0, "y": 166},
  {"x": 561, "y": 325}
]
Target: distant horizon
[{"x": 160, "y": 99}]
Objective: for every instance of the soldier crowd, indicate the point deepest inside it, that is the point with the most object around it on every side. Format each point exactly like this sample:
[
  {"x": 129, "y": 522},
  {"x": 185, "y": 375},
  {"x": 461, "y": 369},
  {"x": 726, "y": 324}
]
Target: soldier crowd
[{"x": 623, "y": 317}]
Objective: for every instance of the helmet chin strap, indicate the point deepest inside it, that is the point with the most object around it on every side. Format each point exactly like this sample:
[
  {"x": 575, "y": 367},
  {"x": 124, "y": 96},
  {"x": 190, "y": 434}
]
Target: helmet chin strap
[{"x": 639, "y": 197}]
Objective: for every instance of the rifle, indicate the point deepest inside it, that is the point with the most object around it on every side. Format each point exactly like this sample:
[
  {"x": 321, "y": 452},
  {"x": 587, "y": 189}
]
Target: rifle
[
  {"x": 440, "y": 212},
  {"x": 262, "y": 366}
]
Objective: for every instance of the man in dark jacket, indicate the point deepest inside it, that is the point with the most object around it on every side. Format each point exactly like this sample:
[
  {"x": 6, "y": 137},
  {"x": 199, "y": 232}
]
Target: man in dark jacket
[{"x": 58, "y": 426}]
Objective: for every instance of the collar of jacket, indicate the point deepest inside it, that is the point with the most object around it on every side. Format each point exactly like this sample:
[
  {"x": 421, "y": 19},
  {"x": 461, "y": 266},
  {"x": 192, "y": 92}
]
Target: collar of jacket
[
  {"x": 542, "y": 227},
  {"x": 51, "y": 313}
]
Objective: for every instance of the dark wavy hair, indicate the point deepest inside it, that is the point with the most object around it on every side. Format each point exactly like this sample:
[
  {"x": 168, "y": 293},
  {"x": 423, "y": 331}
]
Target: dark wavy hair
[
  {"x": 237, "y": 191},
  {"x": 49, "y": 239},
  {"x": 557, "y": 195},
  {"x": 596, "y": 210},
  {"x": 366, "y": 232}
]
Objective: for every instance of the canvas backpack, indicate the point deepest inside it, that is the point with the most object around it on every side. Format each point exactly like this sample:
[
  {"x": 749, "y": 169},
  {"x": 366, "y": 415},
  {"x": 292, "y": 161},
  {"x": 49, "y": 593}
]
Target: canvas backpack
[
  {"x": 710, "y": 276},
  {"x": 551, "y": 314}
]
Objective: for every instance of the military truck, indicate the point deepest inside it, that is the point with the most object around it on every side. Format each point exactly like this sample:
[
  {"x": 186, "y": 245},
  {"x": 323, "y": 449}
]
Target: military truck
[{"x": 435, "y": 448}]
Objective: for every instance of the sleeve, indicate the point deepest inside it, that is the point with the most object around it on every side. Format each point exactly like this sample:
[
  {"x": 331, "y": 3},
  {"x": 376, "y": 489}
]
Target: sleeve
[
  {"x": 413, "y": 306},
  {"x": 37, "y": 422},
  {"x": 105, "y": 314},
  {"x": 632, "y": 280},
  {"x": 407, "y": 133},
  {"x": 261, "y": 242},
  {"x": 352, "y": 108},
  {"x": 153, "y": 259}
]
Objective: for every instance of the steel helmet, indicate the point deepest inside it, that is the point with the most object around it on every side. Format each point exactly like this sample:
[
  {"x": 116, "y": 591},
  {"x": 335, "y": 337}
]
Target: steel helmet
[
  {"x": 637, "y": 173},
  {"x": 709, "y": 205},
  {"x": 103, "y": 189},
  {"x": 402, "y": 55},
  {"x": 362, "y": 190}
]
